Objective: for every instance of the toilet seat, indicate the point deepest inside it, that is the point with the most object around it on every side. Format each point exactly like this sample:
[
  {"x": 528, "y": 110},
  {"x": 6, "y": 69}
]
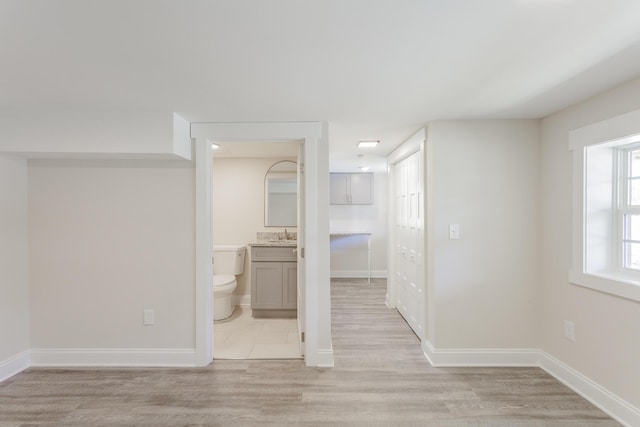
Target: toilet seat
[
  {"x": 223, "y": 282},
  {"x": 222, "y": 279}
]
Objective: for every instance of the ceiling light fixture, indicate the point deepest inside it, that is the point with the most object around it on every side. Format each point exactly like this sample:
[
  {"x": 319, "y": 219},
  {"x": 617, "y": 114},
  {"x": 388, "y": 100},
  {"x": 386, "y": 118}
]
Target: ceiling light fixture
[
  {"x": 364, "y": 168},
  {"x": 368, "y": 144},
  {"x": 214, "y": 146}
]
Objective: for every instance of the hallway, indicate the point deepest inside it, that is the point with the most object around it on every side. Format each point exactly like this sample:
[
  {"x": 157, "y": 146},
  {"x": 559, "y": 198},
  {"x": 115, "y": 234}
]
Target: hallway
[{"x": 381, "y": 378}]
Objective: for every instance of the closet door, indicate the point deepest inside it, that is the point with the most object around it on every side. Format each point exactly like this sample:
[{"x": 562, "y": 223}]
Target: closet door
[
  {"x": 410, "y": 242},
  {"x": 414, "y": 291},
  {"x": 400, "y": 234}
]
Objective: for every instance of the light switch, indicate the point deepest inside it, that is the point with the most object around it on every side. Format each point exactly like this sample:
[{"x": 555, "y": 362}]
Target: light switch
[
  {"x": 454, "y": 231},
  {"x": 148, "y": 318}
]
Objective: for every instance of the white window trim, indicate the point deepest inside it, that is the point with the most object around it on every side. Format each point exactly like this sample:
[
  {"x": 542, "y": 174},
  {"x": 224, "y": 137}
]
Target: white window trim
[{"x": 617, "y": 131}]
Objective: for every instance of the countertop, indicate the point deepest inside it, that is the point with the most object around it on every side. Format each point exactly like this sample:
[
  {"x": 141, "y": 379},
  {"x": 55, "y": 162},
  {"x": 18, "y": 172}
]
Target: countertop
[{"x": 276, "y": 243}]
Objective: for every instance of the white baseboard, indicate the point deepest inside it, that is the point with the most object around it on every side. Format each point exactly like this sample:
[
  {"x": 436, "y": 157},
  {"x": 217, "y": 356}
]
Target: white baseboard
[
  {"x": 113, "y": 357},
  {"x": 388, "y": 303},
  {"x": 243, "y": 300},
  {"x": 604, "y": 399},
  {"x": 358, "y": 274},
  {"x": 324, "y": 359},
  {"x": 321, "y": 358},
  {"x": 613, "y": 405},
  {"x": 14, "y": 365},
  {"x": 480, "y": 357}
]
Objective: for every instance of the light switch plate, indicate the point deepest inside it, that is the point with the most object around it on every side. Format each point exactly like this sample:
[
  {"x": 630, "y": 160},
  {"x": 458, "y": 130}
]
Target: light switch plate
[
  {"x": 454, "y": 231},
  {"x": 569, "y": 330},
  {"x": 148, "y": 317}
]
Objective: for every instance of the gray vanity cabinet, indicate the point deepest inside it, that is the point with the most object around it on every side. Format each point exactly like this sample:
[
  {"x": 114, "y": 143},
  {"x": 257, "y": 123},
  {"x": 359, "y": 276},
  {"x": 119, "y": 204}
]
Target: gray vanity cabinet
[{"x": 274, "y": 281}]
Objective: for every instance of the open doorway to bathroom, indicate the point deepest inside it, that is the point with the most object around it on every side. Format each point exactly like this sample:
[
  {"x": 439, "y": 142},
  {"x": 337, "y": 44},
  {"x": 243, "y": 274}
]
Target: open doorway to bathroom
[
  {"x": 314, "y": 305},
  {"x": 251, "y": 211}
]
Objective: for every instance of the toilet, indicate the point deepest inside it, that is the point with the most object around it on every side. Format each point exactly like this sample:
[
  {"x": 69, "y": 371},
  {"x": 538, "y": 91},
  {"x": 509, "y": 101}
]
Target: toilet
[{"x": 228, "y": 262}]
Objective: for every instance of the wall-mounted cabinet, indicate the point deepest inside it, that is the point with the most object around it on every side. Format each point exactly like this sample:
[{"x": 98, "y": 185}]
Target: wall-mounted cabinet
[
  {"x": 351, "y": 188},
  {"x": 274, "y": 282}
]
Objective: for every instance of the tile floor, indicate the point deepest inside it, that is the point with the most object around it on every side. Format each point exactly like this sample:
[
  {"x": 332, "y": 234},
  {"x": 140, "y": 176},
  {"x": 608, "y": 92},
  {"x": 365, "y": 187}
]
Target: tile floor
[{"x": 242, "y": 337}]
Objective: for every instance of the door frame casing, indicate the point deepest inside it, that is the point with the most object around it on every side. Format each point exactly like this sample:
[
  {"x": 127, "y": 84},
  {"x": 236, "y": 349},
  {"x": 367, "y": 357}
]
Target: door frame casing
[{"x": 313, "y": 135}]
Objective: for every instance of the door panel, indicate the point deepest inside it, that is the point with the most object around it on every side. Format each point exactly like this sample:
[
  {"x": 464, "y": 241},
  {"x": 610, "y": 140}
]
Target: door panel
[
  {"x": 409, "y": 242},
  {"x": 361, "y": 188},
  {"x": 339, "y": 188},
  {"x": 290, "y": 288},
  {"x": 267, "y": 285}
]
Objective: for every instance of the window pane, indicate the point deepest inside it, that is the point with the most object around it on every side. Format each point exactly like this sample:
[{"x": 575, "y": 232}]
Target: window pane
[
  {"x": 632, "y": 227},
  {"x": 632, "y": 255},
  {"x": 634, "y": 163},
  {"x": 634, "y": 192}
]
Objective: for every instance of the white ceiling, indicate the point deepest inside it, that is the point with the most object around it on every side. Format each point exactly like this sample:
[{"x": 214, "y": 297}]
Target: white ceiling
[{"x": 375, "y": 69}]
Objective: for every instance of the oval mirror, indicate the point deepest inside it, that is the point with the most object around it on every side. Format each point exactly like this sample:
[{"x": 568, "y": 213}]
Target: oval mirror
[{"x": 281, "y": 194}]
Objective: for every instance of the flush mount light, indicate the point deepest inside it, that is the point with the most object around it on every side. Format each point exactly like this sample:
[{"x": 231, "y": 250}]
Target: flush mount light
[
  {"x": 364, "y": 168},
  {"x": 368, "y": 144},
  {"x": 214, "y": 146}
]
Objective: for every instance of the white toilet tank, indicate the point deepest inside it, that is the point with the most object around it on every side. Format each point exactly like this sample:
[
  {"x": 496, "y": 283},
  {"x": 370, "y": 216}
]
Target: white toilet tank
[{"x": 228, "y": 259}]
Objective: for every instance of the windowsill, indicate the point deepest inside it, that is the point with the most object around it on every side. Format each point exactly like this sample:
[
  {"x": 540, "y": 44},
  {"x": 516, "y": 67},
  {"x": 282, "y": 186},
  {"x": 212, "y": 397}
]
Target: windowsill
[{"x": 611, "y": 282}]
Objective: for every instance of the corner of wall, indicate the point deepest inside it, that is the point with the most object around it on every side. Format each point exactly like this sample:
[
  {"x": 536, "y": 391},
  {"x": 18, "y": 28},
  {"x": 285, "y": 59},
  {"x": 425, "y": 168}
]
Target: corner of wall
[
  {"x": 14, "y": 365},
  {"x": 14, "y": 267},
  {"x": 182, "y": 137}
]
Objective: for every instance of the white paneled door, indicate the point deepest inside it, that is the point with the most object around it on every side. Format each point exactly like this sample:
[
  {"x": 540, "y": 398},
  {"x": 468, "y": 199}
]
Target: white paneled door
[{"x": 409, "y": 241}]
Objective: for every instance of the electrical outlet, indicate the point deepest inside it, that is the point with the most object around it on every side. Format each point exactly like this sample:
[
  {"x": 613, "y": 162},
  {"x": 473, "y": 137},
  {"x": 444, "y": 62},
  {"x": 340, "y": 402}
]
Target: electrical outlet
[
  {"x": 148, "y": 317},
  {"x": 569, "y": 330}
]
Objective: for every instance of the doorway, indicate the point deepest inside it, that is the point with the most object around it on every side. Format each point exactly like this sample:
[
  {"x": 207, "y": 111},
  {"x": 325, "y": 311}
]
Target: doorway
[
  {"x": 313, "y": 243},
  {"x": 254, "y": 201}
]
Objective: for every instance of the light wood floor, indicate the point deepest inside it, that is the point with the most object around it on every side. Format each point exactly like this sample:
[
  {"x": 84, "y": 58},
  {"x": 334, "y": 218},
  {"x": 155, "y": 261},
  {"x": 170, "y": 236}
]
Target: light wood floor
[{"x": 380, "y": 379}]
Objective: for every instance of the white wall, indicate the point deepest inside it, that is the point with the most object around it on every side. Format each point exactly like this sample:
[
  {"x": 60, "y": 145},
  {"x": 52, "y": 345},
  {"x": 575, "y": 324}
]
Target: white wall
[
  {"x": 607, "y": 346},
  {"x": 14, "y": 262},
  {"x": 483, "y": 175},
  {"x": 349, "y": 254},
  {"x": 109, "y": 239},
  {"x": 238, "y": 206}
]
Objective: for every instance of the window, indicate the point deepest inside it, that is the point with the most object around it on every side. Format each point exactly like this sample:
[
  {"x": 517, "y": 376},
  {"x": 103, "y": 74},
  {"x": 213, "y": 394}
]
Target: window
[
  {"x": 606, "y": 206},
  {"x": 629, "y": 207}
]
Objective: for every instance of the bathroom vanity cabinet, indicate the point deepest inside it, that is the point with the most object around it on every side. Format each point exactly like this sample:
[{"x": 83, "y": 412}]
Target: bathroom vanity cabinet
[{"x": 274, "y": 281}]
